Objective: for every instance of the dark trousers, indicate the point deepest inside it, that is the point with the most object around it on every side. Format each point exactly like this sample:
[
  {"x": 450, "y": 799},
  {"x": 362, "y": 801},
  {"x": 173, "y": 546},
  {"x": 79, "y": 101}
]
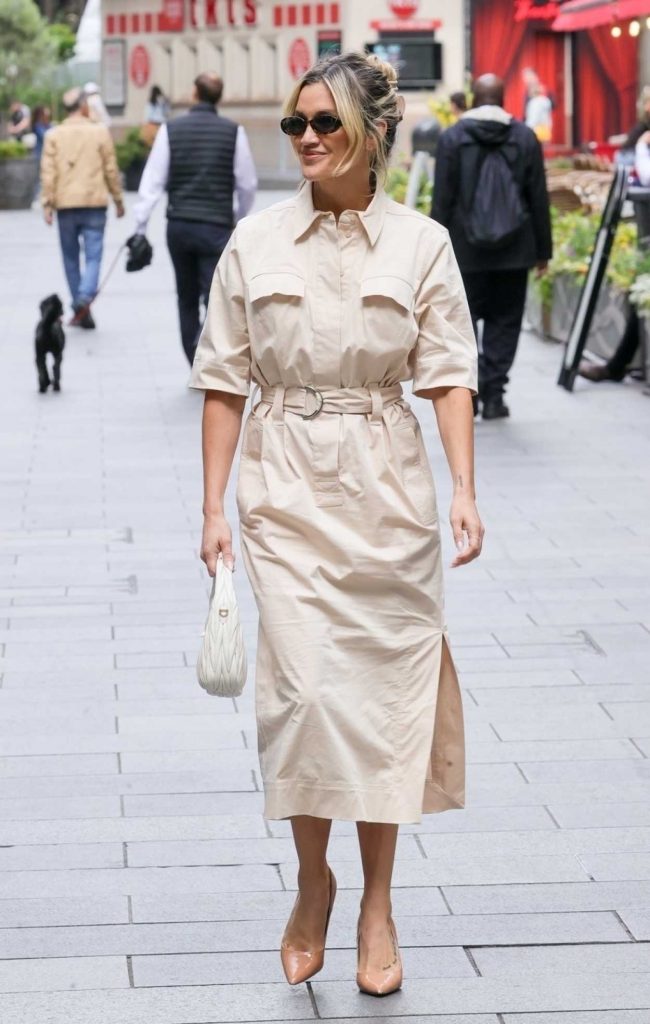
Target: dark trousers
[
  {"x": 627, "y": 347},
  {"x": 195, "y": 248},
  {"x": 497, "y": 297}
]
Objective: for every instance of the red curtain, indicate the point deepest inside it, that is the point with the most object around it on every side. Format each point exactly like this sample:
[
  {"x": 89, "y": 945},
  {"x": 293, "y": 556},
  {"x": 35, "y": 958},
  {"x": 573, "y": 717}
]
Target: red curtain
[
  {"x": 505, "y": 47},
  {"x": 607, "y": 83},
  {"x": 497, "y": 38}
]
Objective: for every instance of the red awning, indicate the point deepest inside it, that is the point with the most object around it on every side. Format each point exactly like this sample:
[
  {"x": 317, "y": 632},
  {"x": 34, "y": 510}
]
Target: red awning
[{"x": 582, "y": 14}]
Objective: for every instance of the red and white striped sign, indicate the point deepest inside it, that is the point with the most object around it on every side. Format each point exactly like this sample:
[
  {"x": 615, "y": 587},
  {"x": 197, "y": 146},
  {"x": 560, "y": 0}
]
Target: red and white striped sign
[{"x": 288, "y": 15}]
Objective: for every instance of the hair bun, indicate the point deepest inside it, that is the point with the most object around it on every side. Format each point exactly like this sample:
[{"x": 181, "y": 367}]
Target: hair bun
[{"x": 384, "y": 67}]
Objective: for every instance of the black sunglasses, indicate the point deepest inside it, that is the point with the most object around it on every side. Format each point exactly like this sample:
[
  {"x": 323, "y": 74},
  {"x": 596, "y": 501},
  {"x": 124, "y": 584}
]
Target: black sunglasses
[{"x": 322, "y": 124}]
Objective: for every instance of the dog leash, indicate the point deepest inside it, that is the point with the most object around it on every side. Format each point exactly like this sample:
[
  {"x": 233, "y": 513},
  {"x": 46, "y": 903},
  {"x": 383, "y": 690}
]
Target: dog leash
[{"x": 81, "y": 313}]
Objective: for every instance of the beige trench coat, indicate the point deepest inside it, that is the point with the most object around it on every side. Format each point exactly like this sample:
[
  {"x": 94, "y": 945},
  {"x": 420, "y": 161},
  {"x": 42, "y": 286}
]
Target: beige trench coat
[{"x": 358, "y": 704}]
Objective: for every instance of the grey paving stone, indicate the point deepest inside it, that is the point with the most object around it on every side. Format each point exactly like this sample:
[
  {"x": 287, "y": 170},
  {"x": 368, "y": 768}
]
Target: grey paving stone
[
  {"x": 30, "y": 913},
  {"x": 248, "y": 968},
  {"x": 241, "y": 906},
  {"x": 241, "y": 780},
  {"x": 606, "y": 815},
  {"x": 95, "y": 882},
  {"x": 481, "y": 995},
  {"x": 243, "y": 851},
  {"x": 544, "y": 898},
  {"x": 582, "y": 771},
  {"x": 470, "y": 869},
  {"x": 580, "y": 1017},
  {"x": 559, "y": 794},
  {"x": 612, "y": 867},
  {"x": 558, "y": 961},
  {"x": 552, "y": 750},
  {"x": 51, "y": 765},
  {"x": 110, "y": 830},
  {"x": 208, "y": 1004},
  {"x": 638, "y": 921},
  {"x": 54, "y": 856},
  {"x": 163, "y": 762},
  {"x": 60, "y": 807},
  {"x": 476, "y": 679},
  {"x": 58, "y": 974},
  {"x": 192, "y": 804},
  {"x": 101, "y": 743},
  {"x": 562, "y": 723},
  {"x": 265, "y": 933}
]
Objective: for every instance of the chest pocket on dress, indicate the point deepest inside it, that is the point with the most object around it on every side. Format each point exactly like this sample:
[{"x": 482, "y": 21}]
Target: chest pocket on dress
[
  {"x": 387, "y": 303},
  {"x": 274, "y": 296}
]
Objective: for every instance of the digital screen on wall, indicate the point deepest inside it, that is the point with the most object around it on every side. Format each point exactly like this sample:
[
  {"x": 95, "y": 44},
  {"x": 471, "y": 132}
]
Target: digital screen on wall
[{"x": 418, "y": 63}]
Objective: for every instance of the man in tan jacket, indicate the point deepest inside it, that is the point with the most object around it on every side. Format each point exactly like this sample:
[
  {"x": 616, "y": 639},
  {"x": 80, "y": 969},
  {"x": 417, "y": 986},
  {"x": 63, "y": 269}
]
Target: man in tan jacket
[{"x": 78, "y": 171}]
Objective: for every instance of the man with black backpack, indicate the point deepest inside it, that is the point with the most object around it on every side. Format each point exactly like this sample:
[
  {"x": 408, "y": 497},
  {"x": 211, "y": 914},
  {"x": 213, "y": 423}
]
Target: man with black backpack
[{"x": 490, "y": 192}]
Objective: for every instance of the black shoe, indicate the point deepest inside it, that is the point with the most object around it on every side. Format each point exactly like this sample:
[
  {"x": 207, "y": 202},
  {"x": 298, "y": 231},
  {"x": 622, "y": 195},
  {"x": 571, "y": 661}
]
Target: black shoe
[
  {"x": 596, "y": 373},
  {"x": 83, "y": 317},
  {"x": 495, "y": 409}
]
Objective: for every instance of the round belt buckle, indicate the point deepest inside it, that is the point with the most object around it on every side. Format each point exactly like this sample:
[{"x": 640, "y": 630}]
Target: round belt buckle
[{"x": 317, "y": 394}]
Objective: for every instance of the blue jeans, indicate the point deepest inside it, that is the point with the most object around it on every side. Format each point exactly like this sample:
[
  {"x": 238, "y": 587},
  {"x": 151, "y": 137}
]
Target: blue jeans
[{"x": 82, "y": 224}]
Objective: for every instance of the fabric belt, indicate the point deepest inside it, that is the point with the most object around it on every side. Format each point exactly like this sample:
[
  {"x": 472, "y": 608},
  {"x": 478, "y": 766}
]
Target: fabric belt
[{"x": 309, "y": 402}]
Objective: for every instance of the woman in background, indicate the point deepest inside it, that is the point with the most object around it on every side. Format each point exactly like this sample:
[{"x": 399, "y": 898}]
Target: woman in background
[{"x": 157, "y": 108}]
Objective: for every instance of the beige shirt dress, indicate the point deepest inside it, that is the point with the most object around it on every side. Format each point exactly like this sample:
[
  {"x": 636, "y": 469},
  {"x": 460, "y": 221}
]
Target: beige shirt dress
[{"x": 359, "y": 714}]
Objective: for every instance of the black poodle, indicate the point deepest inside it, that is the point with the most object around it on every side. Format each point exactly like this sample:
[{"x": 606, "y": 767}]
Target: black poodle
[{"x": 50, "y": 338}]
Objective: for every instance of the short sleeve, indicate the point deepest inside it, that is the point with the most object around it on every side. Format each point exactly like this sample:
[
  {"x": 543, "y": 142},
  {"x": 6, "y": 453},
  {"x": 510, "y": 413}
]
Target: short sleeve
[
  {"x": 223, "y": 360},
  {"x": 445, "y": 354}
]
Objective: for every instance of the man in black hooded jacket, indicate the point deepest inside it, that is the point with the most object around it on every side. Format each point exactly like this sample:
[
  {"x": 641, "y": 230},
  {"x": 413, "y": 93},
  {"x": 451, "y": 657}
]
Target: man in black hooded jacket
[{"x": 496, "y": 277}]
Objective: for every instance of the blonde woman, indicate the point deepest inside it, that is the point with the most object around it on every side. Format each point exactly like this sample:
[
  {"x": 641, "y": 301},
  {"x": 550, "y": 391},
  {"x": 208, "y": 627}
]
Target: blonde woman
[{"x": 327, "y": 301}]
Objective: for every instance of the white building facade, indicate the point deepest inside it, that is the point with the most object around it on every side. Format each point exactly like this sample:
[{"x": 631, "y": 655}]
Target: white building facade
[{"x": 260, "y": 48}]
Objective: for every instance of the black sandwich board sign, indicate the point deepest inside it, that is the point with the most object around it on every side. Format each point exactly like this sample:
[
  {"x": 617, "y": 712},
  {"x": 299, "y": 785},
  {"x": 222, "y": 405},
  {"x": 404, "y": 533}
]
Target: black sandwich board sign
[{"x": 591, "y": 288}]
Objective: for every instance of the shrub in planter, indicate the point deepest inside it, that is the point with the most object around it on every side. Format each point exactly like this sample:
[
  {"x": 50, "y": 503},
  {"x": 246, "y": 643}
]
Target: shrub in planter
[
  {"x": 558, "y": 291},
  {"x": 132, "y": 153},
  {"x": 18, "y": 176}
]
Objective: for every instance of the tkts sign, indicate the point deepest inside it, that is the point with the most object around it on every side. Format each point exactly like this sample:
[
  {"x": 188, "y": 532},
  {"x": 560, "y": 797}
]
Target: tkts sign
[{"x": 171, "y": 17}]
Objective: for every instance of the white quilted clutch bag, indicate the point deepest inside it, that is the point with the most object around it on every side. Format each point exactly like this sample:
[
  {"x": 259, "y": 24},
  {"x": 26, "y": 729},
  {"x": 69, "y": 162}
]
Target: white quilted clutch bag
[{"x": 221, "y": 668}]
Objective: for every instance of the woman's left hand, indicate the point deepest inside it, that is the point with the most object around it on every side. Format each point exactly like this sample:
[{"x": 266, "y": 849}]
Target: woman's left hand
[{"x": 467, "y": 528}]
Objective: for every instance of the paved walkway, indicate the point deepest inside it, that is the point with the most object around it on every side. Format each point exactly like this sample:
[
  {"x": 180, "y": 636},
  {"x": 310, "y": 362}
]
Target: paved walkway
[{"x": 139, "y": 883}]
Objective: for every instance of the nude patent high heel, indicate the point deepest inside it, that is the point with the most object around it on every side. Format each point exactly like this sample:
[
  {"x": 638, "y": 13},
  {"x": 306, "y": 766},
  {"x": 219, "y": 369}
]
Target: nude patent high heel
[
  {"x": 380, "y": 981},
  {"x": 302, "y": 964}
]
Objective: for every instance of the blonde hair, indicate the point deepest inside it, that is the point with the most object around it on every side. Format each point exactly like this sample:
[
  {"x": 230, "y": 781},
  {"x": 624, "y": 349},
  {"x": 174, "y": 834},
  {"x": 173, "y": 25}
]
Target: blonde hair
[{"x": 365, "y": 93}]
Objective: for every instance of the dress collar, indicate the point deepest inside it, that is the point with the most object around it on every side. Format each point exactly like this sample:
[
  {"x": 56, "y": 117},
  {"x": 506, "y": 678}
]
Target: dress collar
[{"x": 305, "y": 216}]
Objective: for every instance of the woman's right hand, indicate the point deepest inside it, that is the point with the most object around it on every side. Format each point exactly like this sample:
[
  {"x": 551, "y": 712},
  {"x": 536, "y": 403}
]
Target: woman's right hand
[{"x": 217, "y": 538}]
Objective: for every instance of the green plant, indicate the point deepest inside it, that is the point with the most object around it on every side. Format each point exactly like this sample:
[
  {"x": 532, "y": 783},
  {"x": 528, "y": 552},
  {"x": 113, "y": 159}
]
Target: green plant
[
  {"x": 63, "y": 40},
  {"x": 12, "y": 150},
  {"x": 131, "y": 149},
  {"x": 397, "y": 185},
  {"x": 640, "y": 294},
  {"x": 26, "y": 47},
  {"x": 574, "y": 235}
]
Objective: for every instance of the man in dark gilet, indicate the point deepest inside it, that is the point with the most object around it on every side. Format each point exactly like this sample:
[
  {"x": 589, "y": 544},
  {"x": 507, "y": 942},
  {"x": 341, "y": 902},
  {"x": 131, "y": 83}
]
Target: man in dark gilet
[{"x": 204, "y": 162}]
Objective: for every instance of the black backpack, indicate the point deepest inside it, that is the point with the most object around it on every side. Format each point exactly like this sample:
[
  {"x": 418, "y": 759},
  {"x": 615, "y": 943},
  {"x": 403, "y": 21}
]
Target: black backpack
[{"x": 497, "y": 212}]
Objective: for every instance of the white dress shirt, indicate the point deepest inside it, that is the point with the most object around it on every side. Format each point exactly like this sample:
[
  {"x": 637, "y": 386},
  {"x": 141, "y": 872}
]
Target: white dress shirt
[
  {"x": 642, "y": 162},
  {"x": 156, "y": 174}
]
